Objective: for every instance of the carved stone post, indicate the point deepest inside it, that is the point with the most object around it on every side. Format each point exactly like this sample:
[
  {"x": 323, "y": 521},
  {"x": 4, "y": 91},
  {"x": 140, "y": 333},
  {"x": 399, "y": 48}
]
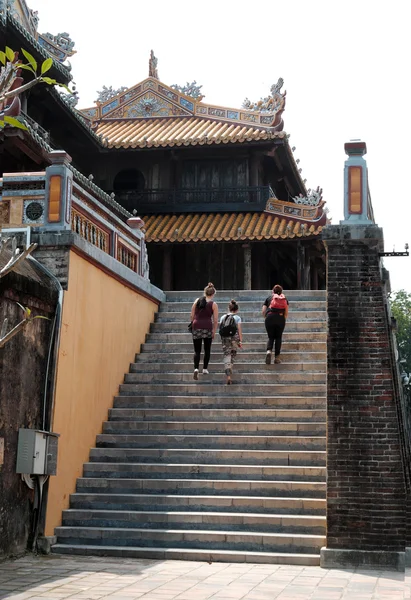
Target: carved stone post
[{"x": 59, "y": 185}]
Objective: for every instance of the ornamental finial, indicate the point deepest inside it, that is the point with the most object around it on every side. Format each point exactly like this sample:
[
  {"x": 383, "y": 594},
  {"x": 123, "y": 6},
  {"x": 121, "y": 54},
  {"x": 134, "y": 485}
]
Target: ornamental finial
[{"x": 152, "y": 66}]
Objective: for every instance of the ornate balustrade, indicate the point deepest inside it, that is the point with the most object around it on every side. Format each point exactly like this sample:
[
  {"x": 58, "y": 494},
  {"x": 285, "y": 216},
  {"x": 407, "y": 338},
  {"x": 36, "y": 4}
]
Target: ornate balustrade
[
  {"x": 183, "y": 200},
  {"x": 60, "y": 199}
]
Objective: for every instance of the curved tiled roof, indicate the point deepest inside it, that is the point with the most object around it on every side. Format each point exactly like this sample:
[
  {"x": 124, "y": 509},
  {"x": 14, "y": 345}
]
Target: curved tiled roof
[
  {"x": 204, "y": 227},
  {"x": 63, "y": 70},
  {"x": 179, "y": 131}
]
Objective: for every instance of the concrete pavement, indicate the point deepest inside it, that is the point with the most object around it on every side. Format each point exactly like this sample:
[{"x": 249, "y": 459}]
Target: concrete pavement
[{"x": 90, "y": 578}]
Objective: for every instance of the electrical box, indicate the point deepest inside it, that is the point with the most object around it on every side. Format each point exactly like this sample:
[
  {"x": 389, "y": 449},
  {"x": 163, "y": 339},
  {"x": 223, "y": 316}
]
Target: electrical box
[{"x": 37, "y": 452}]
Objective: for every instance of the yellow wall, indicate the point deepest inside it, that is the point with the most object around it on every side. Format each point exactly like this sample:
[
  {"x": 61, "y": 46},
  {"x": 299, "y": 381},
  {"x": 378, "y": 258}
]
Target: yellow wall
[{"x": 104, "y": 322}]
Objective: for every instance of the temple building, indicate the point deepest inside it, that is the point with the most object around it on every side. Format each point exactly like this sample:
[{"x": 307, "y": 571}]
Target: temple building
[{"x": 218, "y": 188}]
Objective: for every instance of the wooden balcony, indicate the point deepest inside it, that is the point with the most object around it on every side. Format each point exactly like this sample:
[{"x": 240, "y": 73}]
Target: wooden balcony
[{"x": 237, "y": 199}]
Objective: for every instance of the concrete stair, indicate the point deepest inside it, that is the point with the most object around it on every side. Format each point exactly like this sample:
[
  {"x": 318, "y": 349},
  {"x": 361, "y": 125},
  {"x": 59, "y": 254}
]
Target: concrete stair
[{"x": 197, "y": 470}]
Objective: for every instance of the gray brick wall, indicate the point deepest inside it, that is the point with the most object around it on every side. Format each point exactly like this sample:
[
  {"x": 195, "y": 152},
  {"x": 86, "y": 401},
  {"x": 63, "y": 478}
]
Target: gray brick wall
[{"x": 365, "y": 477}]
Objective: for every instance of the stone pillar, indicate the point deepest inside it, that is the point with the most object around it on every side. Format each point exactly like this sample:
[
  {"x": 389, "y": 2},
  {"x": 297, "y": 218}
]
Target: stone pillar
[
  {"x": 307, "y": 270},
  {"x": 300, "y": 266},
  {"x": 167, "y": 269},
  {"x": 247, "y": 266},
  {"x": 365, "y": 478},
  {"x": 59, "y": 187}
]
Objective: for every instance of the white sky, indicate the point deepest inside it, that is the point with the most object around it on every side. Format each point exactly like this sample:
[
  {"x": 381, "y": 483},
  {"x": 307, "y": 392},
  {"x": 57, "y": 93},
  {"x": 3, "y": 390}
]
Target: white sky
[{"x": 345, "y": 67}]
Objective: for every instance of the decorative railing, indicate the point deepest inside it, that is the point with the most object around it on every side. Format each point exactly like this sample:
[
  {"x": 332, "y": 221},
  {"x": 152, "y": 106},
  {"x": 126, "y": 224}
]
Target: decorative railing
[
  {"x": 128, "y": 257},
  {"x": 101, "y": 227},
  {"x": 57, "y": 200},
  {"x": 172, "y": 198},
  {"x": 89, "y": 230}
]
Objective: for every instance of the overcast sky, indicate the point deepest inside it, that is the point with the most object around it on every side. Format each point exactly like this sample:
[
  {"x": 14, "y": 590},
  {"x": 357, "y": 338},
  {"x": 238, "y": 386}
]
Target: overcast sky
[{"x": 345, "y": 67}]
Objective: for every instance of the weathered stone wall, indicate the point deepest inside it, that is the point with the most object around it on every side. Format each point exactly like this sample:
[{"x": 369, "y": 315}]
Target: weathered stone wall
[
  {"x": 365, "y": 476},
  {"x": 22, "y": 379}
]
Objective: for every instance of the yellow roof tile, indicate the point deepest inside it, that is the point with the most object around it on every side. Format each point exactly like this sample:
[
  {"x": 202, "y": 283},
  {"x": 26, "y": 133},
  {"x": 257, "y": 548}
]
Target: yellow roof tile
[
  {"x": 208, "y": 227},
  {"x": 178, "y": 131}
]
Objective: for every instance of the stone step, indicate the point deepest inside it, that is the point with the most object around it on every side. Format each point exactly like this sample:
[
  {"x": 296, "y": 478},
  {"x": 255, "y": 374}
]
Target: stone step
[
  {"x": 182, "y": 538},
  {"x": 255, "y": 327},
  {"x": 251, "y": 336},
  {"x": 213, "y": 428},
  {"x": 217, "y": 414},
  {"x": 213, "y": 390},
  {"x": 247, "y": 295},
  {"x": 240, "y": 367},
  {"x": 236, "y": 487},
  {"x": 199, "y": 555},
  {"x": 188, "y": 502},
  {"x": 269, "y": 377},
  {"x": 217, "y": 456},
  {"x": 246, "y": 306},
  {"x": 241, "y": 402},
  {"x": 256, "y": 359},
  {"x": 210, "y": 521},
  {"x": 289, "y": 347},
  {"x": 251, "y": 316},
  {"x": 203, "y": 471},
  {"x": 222, "y": 441}
]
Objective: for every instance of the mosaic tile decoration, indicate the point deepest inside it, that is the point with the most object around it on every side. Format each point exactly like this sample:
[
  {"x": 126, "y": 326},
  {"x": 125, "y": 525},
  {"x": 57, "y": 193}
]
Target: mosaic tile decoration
[
  {"x": 109, "y": 107},
  {"x": 33, "y": 211}
]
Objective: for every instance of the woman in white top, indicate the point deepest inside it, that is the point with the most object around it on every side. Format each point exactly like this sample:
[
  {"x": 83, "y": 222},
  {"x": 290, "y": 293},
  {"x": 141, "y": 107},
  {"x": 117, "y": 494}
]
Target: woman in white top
[{"x": 231, "y": 337}]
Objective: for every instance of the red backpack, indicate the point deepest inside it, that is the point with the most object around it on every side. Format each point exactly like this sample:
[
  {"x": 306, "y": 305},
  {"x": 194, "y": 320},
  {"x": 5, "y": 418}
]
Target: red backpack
[{"x": 278, "y": 302}]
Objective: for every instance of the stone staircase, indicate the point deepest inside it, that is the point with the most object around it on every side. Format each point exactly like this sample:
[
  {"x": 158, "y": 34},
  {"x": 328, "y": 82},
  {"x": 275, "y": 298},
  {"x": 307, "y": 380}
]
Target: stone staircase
[{"x": 198, "y": 470}]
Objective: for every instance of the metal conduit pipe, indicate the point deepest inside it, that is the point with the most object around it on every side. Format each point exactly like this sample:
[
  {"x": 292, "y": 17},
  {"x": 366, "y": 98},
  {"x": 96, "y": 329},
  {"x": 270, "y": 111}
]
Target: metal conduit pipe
[{"x": 53, "y": 347}]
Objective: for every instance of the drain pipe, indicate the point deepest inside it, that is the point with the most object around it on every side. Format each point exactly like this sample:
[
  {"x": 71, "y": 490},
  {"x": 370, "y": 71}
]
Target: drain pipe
[
  {"x": 53, "y": 346},
  {"x": 40, "y": 542}
]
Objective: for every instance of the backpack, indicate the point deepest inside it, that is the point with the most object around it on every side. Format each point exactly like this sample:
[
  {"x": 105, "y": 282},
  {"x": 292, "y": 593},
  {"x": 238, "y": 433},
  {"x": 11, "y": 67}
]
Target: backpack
[
  {"x": 278, "y": 302},
  {"x": 228, "y": 326}
]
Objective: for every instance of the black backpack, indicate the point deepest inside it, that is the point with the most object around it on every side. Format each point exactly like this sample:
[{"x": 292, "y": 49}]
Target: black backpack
[{"x": 228, "y": 326}]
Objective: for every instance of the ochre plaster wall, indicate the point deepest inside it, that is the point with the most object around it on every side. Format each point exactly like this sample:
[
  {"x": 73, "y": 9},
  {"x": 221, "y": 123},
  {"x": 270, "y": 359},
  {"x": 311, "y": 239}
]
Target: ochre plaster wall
[{"x": 104, "y": 322}]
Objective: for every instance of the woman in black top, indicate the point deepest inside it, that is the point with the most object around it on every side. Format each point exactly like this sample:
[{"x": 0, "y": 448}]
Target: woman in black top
[{"x": 275, "y": 319}]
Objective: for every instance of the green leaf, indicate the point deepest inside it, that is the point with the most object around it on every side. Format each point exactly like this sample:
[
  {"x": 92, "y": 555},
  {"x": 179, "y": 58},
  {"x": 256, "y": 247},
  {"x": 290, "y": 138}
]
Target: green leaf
[
  {"x": 63, "y": 85},
  {"x": 2, "y": 57},
  {"x": 30, "y": 58},
  {"x": 46, "y": 66},
  {"x": 14, "y": 123},
  {"x": 10, "y": 54},
  {"x": 48, "y": 80},
  {"x": 2, "y": 124},
  {"x": 27, "y": 68}
]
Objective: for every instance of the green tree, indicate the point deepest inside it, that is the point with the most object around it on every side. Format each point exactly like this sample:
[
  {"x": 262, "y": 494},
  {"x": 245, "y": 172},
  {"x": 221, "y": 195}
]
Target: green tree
[
  {"x": 11, "y": 84},
  {"x": 401, "y": 311}
]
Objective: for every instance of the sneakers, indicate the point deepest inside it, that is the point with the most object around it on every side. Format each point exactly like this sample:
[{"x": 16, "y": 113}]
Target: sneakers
[
  {"x": 268, "y": 357},
  {"x": 277, "y": 361},
  {"x": 195, "y": 376},
  {"x": 205, "y": 372}
]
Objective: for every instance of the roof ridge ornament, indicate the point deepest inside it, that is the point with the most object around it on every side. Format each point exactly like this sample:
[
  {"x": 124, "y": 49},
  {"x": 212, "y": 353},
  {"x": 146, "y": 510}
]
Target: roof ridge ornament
[
  {"x": 190, "y": 89},
  {"x": 107, "y": 93},
  {"x": 270, "y": 104},
  {"x": 152, "y": 66},
  {"x": 313, "y": 197}
]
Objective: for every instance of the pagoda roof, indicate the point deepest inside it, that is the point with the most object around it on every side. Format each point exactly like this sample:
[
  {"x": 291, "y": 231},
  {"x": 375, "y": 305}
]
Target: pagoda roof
[
  {"x": 228, "y": 227},
  {"x": 179, "y": 131},
  {"x": 153, "y": 114},
  {"x": 22, "y": 22}
]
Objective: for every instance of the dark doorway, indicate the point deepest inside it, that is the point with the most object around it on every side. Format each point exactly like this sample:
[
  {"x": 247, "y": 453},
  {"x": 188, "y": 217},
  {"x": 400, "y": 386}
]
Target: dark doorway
[{"x": 127, "y": 185}]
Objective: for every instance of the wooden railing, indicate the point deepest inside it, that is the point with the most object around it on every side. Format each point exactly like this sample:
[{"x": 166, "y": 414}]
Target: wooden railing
[
  {"x": 100, "y": 226},
  {"x": 83, "y": 207},
  {"x": 89, "y": 231},
  {"x": 129, "y": 258}
]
